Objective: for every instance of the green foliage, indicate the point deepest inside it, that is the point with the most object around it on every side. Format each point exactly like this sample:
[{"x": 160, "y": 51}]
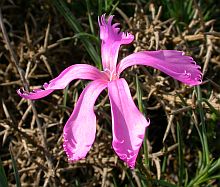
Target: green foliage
[
  {"x": 17, "y": 178},
  {"x": 75, "y": 25},
  {"x": 183, "y": 10},
  {"x": 3, "y": 178}
]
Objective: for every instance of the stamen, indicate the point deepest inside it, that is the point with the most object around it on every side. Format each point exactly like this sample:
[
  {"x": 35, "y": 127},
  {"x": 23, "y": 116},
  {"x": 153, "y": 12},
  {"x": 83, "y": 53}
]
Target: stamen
[{"x": 111, "y": 74}]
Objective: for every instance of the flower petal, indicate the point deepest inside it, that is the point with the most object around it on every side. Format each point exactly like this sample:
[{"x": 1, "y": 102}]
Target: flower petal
[
  {"x": 77, "y": 71},
  {"x": 111, "y": 38},
  {"x": 171, "y": 62},
  {"x": 79, "y": 131},
  {"x": 128, "y": 123}
]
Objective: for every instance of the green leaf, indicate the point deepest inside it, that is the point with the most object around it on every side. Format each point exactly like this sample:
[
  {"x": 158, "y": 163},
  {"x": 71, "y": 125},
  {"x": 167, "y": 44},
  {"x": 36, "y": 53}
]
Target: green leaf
[
  {"x": 90, "y": 18},
  {"x": 81, "y": 35},
  {"x": 206, "y": 159},
  {"x": 180, "y": 154},
  {"x": 3, "y": 178},
  {"x": 141, "y": 108},
  {"x": 74, "y": 24},
  {"x": 17, "y": 178}
]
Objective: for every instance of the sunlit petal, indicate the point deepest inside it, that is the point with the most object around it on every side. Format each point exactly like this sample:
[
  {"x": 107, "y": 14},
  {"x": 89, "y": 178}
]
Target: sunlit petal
[
  {"x": 77, "y": 71},
  {"x": 128, "y": 123},
  {"x": 171, "y": 62},
  {"x": 112, "y": 38},
  {"x": 79, "y": 131}
]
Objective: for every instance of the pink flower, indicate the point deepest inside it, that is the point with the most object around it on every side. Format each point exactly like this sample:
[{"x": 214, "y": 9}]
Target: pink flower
[{"x": 128, "y": 123}]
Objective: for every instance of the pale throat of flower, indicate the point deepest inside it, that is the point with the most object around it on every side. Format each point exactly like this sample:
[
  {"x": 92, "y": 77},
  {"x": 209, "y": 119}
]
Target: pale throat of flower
[{"x": 111, "y": 74}]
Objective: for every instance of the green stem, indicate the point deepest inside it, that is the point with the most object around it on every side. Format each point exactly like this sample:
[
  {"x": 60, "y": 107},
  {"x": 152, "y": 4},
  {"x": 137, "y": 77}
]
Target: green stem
[
  {"x": 141, "y": 108},
  {"x": 202, "y": 117},
  {"x": 90, "y": 18}
]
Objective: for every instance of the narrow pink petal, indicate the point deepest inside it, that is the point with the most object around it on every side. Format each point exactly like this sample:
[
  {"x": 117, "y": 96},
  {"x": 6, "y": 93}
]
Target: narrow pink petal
[
  {"x": 111, "y": 38},
  {"x": 77, "y": 71},
  {"x": 79, "y": 131},
  {"x": 171, "y": 62},
  {"x": 128, "y": 123}
]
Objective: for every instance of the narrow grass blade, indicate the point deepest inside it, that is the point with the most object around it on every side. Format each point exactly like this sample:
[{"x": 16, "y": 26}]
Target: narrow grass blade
[
  {"x": 65, "y": 93},
  {"x": 3, "y": 178},
  {"x": 210, "y": 172},
  {"x": 114, "y": 7},
  {"x": 211, "y": 107},
  {"x": 141, "y": 108},
  {"x": 139, "y": 95},
  {"x": 74, "y": 24},
  {"x": 90, "y": 18},
  {"x": 100, "y": 7},
  {"x": 129, "y": 178},
  {"x": 180, "y": 154},
  {"x": 164, "y": 164},
  {"x": 81, "y": 35},
  {"x": 17, "y": 178},
  {"x": 186, "y": 177},
  {"x": 203, "y": 129}
]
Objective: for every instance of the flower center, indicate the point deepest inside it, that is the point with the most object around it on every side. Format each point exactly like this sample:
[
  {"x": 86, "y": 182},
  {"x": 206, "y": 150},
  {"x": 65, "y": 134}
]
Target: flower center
[{"x": 112, "y": 75}]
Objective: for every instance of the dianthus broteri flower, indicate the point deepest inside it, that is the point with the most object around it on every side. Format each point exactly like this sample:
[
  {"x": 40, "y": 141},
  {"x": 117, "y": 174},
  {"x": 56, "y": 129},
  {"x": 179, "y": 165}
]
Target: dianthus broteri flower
[{"x": 128, "y": 123}]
